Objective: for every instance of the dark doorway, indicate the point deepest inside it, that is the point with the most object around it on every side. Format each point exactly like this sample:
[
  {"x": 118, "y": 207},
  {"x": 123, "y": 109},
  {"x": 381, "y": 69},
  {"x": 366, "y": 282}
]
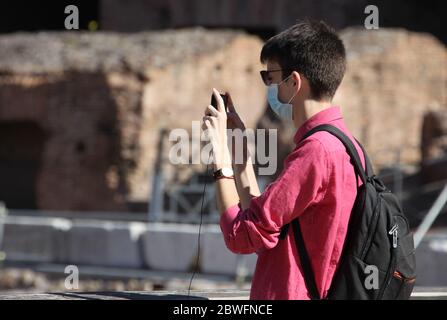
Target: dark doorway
[{"x": 21, "y": 146}]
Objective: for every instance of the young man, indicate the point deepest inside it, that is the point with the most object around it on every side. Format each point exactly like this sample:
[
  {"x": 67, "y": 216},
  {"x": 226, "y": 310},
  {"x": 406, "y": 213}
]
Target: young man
[{"x": 305, "y": 65}]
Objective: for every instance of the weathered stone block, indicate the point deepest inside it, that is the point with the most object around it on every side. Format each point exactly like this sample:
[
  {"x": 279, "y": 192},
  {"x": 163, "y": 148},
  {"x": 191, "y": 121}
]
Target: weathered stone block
[
  {"x": 106, "y": 244},
  {"x": 216, "y": 258}
]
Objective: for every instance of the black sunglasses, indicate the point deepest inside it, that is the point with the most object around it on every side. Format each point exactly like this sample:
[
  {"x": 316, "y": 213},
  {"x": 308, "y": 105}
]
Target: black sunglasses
[{"x": 265, "y": 74}]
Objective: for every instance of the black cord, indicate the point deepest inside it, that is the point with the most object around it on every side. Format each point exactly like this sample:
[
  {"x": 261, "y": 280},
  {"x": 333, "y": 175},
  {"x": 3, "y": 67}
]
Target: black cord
[{"x": 200, "y": 228}]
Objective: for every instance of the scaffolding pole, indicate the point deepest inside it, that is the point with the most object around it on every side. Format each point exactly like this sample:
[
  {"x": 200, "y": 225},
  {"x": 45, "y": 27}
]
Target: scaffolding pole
[{"x": 431, "y": 216}]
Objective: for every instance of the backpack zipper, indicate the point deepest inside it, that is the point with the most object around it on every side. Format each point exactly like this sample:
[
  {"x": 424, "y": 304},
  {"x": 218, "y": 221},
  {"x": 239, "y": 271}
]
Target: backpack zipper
[
  {"x": 399, "y": 276},
  {"x": 388, "y": 276},
  {"x": 394, "y": 232},
  {"x": 374, "y": 222}
]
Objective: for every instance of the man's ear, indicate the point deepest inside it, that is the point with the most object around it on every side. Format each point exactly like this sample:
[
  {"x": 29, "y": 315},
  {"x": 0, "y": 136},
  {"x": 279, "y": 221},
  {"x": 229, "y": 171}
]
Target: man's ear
[{"x": 297, "y": 80}]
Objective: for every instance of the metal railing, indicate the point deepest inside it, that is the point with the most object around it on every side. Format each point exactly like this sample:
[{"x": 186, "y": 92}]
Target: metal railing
[
  {"x": 3, "y": 214},
  {"x": 431, "y": 216}
]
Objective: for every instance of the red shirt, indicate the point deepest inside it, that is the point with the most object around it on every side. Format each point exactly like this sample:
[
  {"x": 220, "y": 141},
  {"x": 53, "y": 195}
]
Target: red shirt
[{"x": 317, "y": 184}]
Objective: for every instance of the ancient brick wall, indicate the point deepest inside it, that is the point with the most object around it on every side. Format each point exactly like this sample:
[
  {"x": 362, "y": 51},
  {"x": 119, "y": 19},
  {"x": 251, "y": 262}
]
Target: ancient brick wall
[{"x": 99, "y": 100}]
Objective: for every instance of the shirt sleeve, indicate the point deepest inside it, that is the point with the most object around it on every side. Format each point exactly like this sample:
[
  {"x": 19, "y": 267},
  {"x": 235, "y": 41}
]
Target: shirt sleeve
[{"x": 301, "y": 184}]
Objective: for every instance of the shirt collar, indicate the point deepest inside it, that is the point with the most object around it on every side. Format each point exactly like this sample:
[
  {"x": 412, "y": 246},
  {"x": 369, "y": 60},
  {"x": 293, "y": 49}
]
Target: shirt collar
[{"x": 325, "y": 116}]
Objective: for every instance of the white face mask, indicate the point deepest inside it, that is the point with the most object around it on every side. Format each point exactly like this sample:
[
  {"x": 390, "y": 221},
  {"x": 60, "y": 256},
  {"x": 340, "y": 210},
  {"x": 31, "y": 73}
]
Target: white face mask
[{"x": 283, "y": 110}]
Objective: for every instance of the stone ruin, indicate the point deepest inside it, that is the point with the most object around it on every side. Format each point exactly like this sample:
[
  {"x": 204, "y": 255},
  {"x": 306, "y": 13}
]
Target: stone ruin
[{"x": 81, "y": 113}]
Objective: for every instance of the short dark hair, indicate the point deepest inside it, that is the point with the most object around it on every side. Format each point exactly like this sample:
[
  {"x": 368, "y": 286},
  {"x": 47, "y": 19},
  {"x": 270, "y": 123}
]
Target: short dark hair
[{"x": 314, "y": 50}]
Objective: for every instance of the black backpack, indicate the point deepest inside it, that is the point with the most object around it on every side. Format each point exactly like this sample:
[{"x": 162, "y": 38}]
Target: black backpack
[{"x": 378, "y": 242}]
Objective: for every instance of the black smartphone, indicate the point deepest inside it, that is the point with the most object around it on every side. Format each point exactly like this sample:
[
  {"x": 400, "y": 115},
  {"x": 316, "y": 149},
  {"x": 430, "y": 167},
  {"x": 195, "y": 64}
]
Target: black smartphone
[{"x": 214, "y": 102}]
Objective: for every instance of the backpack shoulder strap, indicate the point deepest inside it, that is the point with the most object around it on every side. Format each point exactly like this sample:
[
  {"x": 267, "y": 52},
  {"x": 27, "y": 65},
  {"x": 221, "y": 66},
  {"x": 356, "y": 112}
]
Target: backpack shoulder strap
[
  {"x": 369, "y": 167},
  {"x": 350, "y": 148},
  {"x": 352, "y": 153},
  {"x": 306, "y": 265}
]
